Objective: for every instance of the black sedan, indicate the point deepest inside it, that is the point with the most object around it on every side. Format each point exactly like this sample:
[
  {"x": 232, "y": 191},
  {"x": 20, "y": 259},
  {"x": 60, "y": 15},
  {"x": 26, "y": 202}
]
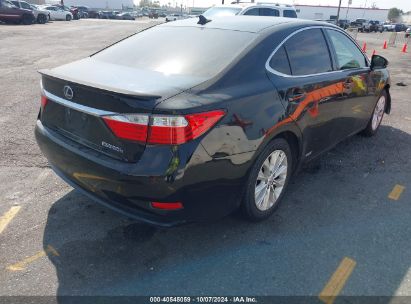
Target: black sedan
[{"x": 217, "y": 117}]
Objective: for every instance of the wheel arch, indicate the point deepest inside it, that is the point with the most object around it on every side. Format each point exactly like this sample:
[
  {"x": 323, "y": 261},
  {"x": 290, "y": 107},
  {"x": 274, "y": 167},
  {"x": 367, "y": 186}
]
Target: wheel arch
[
  {"x": 388, "y": 106},
  {"x": 290, "y": 133}
]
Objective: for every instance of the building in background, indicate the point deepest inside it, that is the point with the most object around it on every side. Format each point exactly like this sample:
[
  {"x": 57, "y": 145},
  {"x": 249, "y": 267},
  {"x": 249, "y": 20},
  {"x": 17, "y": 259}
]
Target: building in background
[
  {"x": 97, "y": 4},
  {"x": 315, "y": 12}
]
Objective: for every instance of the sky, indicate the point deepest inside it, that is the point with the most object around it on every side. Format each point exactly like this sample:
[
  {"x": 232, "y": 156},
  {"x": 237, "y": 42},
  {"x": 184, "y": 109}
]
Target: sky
[{"x": 405, "y": 5}]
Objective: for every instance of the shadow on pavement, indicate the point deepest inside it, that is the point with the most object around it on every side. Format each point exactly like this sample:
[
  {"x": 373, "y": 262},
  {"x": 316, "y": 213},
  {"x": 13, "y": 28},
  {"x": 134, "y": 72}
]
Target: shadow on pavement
[{"x": 337, "y": 207}]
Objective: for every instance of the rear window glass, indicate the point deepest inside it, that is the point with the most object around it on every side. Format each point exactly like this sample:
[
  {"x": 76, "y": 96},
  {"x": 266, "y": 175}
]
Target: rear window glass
[
  {"x": 308, "y": 53},
  {"x": 221, "y": 11},
  {"x": 178, "y": 50},
  {"x": 289, "y": 14}
]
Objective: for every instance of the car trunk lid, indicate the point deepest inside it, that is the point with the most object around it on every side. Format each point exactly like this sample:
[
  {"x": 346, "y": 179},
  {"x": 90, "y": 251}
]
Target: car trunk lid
[{"x": 97, "y": 90}]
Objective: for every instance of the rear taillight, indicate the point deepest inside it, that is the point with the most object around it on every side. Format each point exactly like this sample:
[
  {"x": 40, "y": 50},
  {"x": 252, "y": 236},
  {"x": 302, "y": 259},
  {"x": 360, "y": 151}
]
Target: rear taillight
[
  {"x": 162, "y": 129},
  {"x": 130, "y": 127},
  {"x": 167, "y": 205},
  {"x": 43, "y": 102}
]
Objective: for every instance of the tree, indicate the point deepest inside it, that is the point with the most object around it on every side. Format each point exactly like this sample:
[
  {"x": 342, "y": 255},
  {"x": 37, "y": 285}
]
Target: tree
[
  {"x": 394, "y": 14},
  {"x": 144, "y": 3}
]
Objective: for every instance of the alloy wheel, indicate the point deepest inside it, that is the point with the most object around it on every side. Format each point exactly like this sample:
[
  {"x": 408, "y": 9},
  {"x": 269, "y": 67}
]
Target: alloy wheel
[
  {"x": 271, "y": 180},
  {"x": 378, "y": 113}
]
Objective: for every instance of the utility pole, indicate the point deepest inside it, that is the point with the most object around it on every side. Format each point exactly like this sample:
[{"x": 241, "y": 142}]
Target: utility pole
[{"x": 338, "y": 12}]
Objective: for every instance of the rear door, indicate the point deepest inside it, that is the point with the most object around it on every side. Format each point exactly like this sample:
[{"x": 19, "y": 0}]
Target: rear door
[
  {"x": 302, "y": 71},
  {"x": 8, "y": 12}
]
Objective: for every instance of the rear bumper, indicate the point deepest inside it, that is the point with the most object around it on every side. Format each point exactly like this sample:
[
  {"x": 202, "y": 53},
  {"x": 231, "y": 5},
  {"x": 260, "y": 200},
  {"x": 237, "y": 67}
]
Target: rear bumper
[{"x": 208, "y": 189}]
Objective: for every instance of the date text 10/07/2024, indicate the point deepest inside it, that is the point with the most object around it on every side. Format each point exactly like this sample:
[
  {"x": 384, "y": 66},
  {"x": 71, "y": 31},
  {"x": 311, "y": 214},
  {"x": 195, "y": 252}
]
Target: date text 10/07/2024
[{"x": 203, "y": 299}]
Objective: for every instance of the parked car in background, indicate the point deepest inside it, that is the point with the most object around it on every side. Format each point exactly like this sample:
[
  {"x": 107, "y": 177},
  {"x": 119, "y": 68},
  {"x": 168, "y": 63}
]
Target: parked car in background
[
  {"x": 372, "y": 26},
  {"x": 252, "y": 9},
  {"x": 42, "y": 16},
  {"x": 73, "y": 10},
  {"x": 204, "y": 140},
  {"x": 56, "y": 13},
  {"x": 175, "y": 17},
  {"x": 400, "y": 27},
  {"x": 408, "y": 32},
  {"x": 107, "y": 15},
  {"x": 388, "y": 27},
  {"x": 125, "y": 16},
  {"x": 344, "y": 23},
  {"x": 82, "y": 11},
  {"x": 9, "y": 13},
  {"x": 94, "y": 14},
  {"x": 359, "y": 23},
  {"x": 153, "y": 14}
]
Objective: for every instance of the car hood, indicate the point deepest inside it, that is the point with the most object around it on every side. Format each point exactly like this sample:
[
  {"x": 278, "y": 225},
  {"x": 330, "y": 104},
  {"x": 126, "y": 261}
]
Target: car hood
[
  {"x": 38, "y": 10},
  {"x": 123, "y": 79}
]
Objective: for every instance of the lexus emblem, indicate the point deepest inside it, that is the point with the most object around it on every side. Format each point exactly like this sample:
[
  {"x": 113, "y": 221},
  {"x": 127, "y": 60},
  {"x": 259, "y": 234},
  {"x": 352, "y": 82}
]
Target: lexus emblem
[{"x": 68, "y": 92}]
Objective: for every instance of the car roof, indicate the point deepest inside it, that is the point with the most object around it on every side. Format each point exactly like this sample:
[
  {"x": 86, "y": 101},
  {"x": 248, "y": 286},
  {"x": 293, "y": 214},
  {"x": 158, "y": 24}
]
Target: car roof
[
  {"x": 244, "y": 5},
  {"x": 253, "y": 24}
]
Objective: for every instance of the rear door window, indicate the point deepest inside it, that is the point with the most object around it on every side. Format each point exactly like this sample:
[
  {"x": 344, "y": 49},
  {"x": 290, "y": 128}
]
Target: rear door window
[
  {"x": 252, "y": 12},
  {"x": 308, "y": 53},
  {"x": 269, "y": 12}
]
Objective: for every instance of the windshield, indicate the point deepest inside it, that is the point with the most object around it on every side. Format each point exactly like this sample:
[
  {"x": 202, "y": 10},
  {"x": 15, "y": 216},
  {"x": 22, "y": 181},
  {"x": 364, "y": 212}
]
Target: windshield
[
  {"x": 190, "y": 50},
  {"x": 221, "y": 11}
]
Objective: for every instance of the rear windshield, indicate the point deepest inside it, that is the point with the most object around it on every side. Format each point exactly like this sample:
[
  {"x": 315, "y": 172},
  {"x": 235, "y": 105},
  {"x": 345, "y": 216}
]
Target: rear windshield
[
  {"x": 221, "y": 11},
  {"x": 178, "y": 50}
]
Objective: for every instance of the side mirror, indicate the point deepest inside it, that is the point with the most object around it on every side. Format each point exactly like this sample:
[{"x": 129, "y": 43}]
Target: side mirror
[{"x": 378, "y": 62}]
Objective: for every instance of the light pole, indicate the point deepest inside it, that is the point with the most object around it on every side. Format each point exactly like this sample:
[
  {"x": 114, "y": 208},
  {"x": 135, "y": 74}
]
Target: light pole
[{"x": 338, "y": 12}]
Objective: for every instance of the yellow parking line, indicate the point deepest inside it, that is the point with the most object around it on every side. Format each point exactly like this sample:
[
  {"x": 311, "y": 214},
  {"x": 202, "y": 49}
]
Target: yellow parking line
[
  {"x": 24, "y": 263},
  {"x": 396, "y": 192},
  {"x": 6, "y": 218},
  {"x": 337, "y": 281}
]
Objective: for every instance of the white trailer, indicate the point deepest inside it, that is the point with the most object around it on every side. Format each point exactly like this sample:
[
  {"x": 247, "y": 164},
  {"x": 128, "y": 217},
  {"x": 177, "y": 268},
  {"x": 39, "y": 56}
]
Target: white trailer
[{"x": 315, "y": 12}]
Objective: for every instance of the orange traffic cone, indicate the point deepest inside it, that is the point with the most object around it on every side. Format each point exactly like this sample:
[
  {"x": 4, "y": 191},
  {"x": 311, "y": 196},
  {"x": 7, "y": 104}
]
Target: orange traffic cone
[
  {"x": 385, "y": 45},
  {"x": 364, "y": 47},
  {"x": 404, "y": 48}
]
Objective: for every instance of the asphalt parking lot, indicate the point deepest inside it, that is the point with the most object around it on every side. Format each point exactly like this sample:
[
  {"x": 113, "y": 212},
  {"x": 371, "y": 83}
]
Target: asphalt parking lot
[{"x": 346, "y": 214}]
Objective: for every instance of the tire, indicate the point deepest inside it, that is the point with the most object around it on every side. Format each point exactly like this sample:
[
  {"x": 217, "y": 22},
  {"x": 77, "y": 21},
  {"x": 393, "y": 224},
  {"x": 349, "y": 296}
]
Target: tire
[
  {"x": 257, "y": 204},
  {"x": 42, "y": 19},
  {"x": 376, "y": 116},
  {"x": 68, "y": 18},
  {"x": 26, "y": 19}
]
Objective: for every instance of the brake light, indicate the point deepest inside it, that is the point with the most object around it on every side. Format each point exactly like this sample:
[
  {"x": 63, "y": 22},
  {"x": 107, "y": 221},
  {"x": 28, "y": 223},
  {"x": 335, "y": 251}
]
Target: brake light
[
  {"x": 167, "y": 206},
  {"x": 43, "y": 102},
  {"x": 130, "y": 127},
  {"x": 163, "y": 129}
]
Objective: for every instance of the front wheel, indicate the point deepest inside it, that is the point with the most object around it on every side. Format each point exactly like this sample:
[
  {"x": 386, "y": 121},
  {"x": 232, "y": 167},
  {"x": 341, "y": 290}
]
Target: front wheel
[
  {"x": 42, "y": 19},
  {"x": 268, "y": 180},
  {"x": 68, "y": 18},
  {"x": 377, "y": 115}
]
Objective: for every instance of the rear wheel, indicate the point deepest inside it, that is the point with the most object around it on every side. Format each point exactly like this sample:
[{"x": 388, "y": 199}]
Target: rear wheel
[
  {"x": 268, "y": 180},
  {"x": 41, "y": 19},
  {"x": 68, "y": 18},
  {"x": 377, "y": 116}
]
